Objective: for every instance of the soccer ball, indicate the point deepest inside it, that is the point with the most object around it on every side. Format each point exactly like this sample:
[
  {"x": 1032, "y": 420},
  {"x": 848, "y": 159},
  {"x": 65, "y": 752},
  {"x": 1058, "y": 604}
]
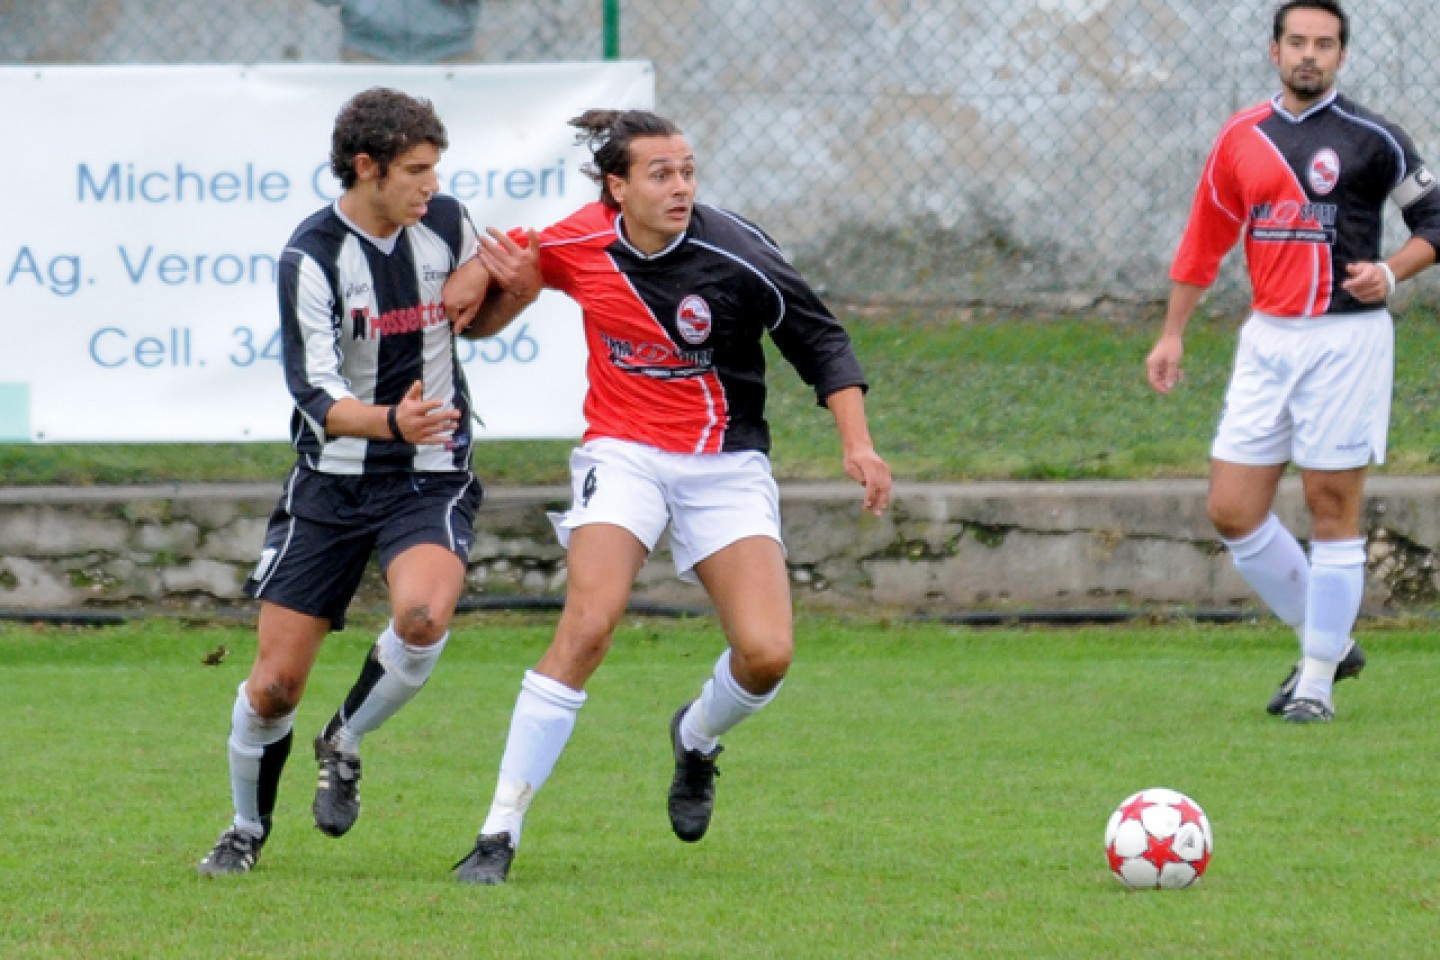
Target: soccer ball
[{"x": 1158, "y": 838}]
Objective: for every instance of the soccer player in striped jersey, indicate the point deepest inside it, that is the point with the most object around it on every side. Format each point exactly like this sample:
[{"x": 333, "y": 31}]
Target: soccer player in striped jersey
[
  {"x": 381, "y": 428},
  {"x": 1304, "y": 178},
  {"x": 676, "y": 298}
]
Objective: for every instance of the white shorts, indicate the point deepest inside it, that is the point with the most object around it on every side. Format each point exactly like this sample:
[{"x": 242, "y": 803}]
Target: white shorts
[
  {"x": 710, "y": 500},
  {"x": 1313, "y": 392}
]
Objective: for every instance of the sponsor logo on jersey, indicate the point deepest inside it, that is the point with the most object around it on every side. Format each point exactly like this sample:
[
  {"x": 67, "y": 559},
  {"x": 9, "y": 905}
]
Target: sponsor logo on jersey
[
  {"x": 364, "y": 325},
  {"x": 1289, "y": 212},
  {"x": 693, "y": 319},
  {"x": 1293, "y": 221},
  {"x": 659, "y": 360},
  {"x": 1324, "y": 171}
]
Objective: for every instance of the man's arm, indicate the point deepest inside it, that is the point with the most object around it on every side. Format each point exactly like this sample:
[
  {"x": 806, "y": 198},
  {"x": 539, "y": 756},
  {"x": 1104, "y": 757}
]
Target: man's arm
[
  {"x": 413, "y": 420},
  {"x": 862, "y": 463},
  {"x": 1162, "y": 367},
  {"x": 1374, "y": 282},
  {"x": 516, "y": 281},
  {"x": 464, "y": 293}
]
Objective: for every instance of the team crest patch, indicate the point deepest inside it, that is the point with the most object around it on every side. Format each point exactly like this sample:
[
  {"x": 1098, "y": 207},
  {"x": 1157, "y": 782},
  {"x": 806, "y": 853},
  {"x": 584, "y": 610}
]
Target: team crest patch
[
  {"x": 693, "y": 319},
  {"x": 1324, "y": 171}
]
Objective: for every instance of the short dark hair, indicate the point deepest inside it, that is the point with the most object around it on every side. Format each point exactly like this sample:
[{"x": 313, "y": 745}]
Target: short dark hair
[
  {"x": 381, "y": 123},
  {"x": 608, "y": 134},
  {"x": 1329, "y": 6}
]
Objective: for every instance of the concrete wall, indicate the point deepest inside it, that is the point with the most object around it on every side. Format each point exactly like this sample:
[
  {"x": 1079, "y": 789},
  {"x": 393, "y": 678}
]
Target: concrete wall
[{"x": 942, "y": 549}]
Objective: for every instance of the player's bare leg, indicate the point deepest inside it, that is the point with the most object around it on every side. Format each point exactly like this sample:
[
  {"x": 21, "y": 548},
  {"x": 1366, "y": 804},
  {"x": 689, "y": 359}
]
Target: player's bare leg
[
  {"x": 750, "y": 586},
  {"x": 261, "y": 732},
  {"x": 425, "y": 583},
  {"x": 603, "y": 561}
]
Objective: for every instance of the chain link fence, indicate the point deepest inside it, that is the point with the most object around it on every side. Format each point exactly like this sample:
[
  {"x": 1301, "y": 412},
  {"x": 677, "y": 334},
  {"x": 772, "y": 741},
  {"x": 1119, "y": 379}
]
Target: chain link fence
[{"x": 999, "y": 154}]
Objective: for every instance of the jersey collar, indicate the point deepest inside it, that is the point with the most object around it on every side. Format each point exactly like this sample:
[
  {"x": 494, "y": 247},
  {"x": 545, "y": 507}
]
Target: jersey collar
[
  {"x": 385, "y": 245},
  {"x": 1278, "y": 105},
  {"x": 620, "y": 235}
]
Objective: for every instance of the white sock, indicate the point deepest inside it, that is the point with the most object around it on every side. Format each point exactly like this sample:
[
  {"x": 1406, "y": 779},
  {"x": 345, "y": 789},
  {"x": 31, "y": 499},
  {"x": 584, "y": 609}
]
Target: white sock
[
  {"x": 1337, "y": 586},
  {"x": 250, "y": 734},
  {"x": 542, "y": 723},
  {"x": 1271, "y": 561},
  {"x": 722, "y": 705},
  {"x": 407, "y": 667}
]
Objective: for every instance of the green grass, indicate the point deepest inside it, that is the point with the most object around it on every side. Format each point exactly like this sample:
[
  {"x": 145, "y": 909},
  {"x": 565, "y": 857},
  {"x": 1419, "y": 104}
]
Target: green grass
[
  {"x": 916, "y": 791},
  {"x": 951, "y": 400}
]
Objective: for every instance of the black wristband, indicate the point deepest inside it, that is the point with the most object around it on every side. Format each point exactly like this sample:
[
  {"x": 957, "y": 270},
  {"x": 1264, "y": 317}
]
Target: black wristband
[{"x": 393, "y": 418}]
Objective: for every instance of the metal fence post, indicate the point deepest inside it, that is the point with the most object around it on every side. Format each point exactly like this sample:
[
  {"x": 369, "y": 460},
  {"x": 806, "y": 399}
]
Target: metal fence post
[{"x": 612, "y": 28}]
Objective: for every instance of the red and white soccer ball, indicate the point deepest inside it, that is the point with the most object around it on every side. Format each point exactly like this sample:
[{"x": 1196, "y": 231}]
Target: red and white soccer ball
[{"x": 1158, "y": 838}]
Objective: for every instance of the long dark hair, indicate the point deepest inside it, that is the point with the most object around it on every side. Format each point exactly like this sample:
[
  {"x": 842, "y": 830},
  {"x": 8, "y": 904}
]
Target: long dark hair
[{"x": 608, "y": 134}]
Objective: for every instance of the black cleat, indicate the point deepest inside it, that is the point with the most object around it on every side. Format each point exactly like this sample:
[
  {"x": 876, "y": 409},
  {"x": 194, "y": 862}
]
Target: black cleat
[
  {"x": 235, "y": 853},
  {"x": 489, "y": 863},
  {"x": 692, "y": 790},
  {"x": 1348, "y": 669},
  {"x": 1305, "y": 710},
  {"x": 337, "y": 792}
]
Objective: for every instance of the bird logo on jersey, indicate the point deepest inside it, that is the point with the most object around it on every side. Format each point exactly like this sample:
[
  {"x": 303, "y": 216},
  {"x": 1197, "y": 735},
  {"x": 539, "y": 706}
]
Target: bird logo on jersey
[
  {"x": 1324, "y": 171},
  {"x": 693, "y": 319}
]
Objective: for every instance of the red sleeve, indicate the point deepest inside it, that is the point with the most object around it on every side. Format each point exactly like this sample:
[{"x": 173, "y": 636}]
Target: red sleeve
[
  {"x": 1216, "y": 218},
  {"x": 561, "y": 242}
]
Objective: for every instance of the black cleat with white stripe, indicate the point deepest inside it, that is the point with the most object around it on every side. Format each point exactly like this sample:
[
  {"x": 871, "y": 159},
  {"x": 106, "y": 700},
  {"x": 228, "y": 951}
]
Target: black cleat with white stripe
[
  {"x": 337, "y": 790},
  {"x": 235, "y": 853}
]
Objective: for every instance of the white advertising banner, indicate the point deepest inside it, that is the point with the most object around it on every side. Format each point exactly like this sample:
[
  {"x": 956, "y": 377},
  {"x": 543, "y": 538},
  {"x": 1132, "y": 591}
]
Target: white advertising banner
[{"x": 145, "y": 212}]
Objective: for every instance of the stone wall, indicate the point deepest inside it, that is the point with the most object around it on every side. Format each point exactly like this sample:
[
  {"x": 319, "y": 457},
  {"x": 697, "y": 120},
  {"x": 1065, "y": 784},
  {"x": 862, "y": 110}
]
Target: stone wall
[{"x": 942, "y": 549}]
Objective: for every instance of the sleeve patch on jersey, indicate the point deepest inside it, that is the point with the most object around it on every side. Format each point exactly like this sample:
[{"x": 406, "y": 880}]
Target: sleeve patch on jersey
[{"x": 1413, "y": 187}]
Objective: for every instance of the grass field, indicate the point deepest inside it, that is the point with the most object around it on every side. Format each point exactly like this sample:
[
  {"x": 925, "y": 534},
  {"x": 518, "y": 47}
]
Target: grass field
[
  {"x": 1017, "y": 399},
  {"x": 916, "y": 791}
]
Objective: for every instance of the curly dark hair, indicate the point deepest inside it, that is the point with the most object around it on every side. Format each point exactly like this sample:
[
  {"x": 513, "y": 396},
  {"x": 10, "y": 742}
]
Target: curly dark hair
[
  {"x": 383, "y": 124},
  {"x": 608, "y": 134}
]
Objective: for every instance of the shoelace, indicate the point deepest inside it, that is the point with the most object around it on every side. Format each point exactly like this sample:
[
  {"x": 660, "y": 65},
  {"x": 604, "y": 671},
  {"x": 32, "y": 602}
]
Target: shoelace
[{"x": 700, "y": 770}]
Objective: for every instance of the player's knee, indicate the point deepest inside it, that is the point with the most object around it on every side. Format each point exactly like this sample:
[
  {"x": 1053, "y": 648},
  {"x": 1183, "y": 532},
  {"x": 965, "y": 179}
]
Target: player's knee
[
  {"x": 585, "y": 631},
  {"x": 419, "y": 626},
  {"x": 277, "y": 696},
  {"x": 764, "y": 663},
  {"x": 1232, "y": 521}
]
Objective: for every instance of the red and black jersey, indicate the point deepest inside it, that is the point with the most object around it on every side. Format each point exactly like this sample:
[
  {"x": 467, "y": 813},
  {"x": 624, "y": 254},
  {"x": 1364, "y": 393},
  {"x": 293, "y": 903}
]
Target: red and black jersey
[
  {"x": 676, "y": 358},
  {"x": 1307, "y": 191}
]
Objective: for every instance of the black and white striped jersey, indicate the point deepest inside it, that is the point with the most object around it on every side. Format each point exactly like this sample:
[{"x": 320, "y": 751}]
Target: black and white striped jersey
[{"x": 362, "y": 317}]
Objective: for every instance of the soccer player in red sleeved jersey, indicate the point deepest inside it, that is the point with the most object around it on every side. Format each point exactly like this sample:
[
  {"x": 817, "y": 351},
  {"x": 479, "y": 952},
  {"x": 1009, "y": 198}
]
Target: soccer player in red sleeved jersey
[
  {"x": 677, "y": 298},
  {"x": 1303, "y": 178}
]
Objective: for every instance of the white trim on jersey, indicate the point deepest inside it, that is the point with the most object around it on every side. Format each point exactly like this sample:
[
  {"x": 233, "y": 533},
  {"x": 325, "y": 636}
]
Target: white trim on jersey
[
  {"x": 779, "y": 297},
  {"x": 1386, "y": 135},
  {"x": 314, "y": 307}
]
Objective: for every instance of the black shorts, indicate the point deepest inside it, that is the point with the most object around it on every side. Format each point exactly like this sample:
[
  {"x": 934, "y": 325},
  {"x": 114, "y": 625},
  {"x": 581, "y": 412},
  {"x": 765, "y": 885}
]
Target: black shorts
[{"x": 326, "y": 526}]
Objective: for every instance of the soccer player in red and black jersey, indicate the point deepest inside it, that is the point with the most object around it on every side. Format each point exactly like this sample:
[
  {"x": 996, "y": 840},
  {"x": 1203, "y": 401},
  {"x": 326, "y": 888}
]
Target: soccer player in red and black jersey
[
  {"x": 676, "y": 298},
  {"x": 1304, "y": 178}
]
